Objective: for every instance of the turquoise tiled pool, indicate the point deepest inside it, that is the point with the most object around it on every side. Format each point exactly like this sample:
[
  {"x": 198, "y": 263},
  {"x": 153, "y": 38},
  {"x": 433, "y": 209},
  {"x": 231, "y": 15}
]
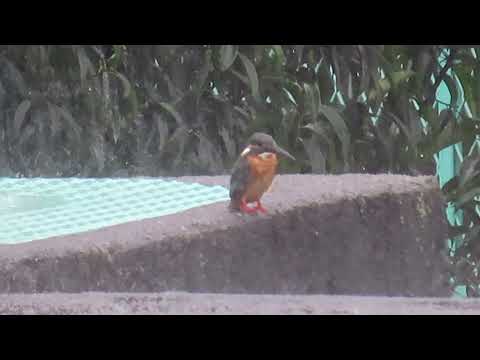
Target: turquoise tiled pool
[{"x": 39, "y": 208}]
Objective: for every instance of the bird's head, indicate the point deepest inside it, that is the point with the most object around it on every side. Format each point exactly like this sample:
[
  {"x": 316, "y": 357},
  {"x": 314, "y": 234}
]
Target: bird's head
[{"x": 260, "y": 143}]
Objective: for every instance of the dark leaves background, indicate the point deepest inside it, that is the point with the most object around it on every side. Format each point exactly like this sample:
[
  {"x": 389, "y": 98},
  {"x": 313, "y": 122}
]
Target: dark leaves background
[{"x": 106, "y": 110}]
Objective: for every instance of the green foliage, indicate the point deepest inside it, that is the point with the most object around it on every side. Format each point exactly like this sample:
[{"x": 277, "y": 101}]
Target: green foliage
[
  {"x": 125, "y": 110},
  {"x": 92, "y": 110}
]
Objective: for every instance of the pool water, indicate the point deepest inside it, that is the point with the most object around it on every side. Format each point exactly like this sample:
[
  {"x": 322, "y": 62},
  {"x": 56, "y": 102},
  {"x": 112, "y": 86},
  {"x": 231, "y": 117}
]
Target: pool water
[{"x": 39, "y": 208}]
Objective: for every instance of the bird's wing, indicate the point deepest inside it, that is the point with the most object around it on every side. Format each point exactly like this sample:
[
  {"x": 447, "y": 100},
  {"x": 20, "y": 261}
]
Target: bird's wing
[{"x": 239, "y": 180}]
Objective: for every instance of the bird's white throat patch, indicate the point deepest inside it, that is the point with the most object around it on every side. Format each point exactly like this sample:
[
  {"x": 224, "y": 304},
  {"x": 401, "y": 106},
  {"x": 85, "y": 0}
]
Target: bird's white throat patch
[{"x": 265, "y": 155}]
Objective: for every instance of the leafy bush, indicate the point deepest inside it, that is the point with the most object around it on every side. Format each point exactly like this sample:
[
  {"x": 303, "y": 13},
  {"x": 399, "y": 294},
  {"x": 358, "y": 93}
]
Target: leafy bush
[{"x": 175, "y": 109}]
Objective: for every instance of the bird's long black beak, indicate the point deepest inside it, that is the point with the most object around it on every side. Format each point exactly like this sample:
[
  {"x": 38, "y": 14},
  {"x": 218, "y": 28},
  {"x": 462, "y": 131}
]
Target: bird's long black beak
[{"x": 283, "y": 152}]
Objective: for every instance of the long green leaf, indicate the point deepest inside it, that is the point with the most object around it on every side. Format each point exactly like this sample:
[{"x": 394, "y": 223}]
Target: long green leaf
[
  {"x": 341, "y": 130},
  {"x": 452, "y": 89},
  {"x": 71, "y": 121},
  {"x": 86, "y": 66},
  {"x": 398, "y": 77},
  {"x": 404, "y": 128},
  {"x": 15, "y": 77},
  {"x": 97, "y": 148},
  {"x": 332, "y": 153},
  {"x": 125, "y": 83},
  {"x": 466, "y": 79},
  {"x": 299, "y": 52},
  {"x": 203, "y": 73},
  {"x": 162, "y": 128},
  {"x": 252, "y": 76},
  {"x": 228, "y": 54},
  {"x": 20, "y": 114},
  {"x": 54, "y": 119},
  {"x": 173, "y": 112},
  {"x": 470, "y": 169},
  {"x": 242, "y": 78},
  {"x": 280, "y": 55},
  {"x": 26, "y": 134},
  {"x": 242, "y": 111},
  {"x": 311, "y": 100},
  {"x": 454, "y": 133},
  {"x": 228, "y": 142},
  {"x": 365, "y": 76},
  {"x": 317, "y": 159},
  {"x": 451, "y": 185}
]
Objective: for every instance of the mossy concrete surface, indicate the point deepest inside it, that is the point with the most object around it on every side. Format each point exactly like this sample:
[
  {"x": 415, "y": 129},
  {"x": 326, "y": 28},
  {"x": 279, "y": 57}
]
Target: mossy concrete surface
[
  {"x": 177, "y": 303},
  {"x": 342, "y": 235}
]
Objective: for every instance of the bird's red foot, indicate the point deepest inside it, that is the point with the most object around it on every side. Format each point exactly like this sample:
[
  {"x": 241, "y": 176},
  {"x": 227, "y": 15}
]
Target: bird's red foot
[
  {"x": 246, "y": 209},
  {"x": 260, "y": 208}
]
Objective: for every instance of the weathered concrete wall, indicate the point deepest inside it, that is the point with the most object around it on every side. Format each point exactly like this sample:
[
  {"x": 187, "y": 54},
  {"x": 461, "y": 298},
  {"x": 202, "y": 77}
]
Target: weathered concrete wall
[
  {"x": 350, "y": 234},
  {"x": 171, "y": 303}
]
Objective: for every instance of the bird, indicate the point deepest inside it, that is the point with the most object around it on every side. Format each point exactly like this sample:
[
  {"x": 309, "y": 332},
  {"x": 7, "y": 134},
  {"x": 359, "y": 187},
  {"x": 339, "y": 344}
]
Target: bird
[{"x": 253, "y": 172}]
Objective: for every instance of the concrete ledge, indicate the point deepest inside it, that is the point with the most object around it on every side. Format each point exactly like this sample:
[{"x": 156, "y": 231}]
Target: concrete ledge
[
  {"x": 349, "y": 234},
  {"x": 171, "y": 303}
]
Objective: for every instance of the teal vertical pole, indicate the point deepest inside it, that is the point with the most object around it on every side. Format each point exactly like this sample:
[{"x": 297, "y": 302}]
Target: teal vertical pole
[
  {"x": 447, "y": 158},
  {"x": 450, "y": 158}
]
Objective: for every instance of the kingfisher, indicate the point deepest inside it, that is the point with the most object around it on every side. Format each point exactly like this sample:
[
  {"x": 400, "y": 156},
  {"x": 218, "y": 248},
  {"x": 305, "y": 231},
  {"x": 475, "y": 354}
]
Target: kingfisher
[{"x": 253, "y": 172}]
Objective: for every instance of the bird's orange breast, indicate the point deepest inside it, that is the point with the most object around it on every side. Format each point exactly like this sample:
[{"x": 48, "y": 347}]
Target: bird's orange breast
[{"x": 263, "y": 169}]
